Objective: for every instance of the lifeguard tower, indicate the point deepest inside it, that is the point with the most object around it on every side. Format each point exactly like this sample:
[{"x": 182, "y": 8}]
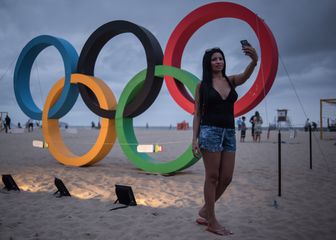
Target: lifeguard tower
[{"x": 283, "y": 120}]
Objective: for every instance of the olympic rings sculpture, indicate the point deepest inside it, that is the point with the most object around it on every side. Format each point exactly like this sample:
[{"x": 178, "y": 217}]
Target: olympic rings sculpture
[{"x": 140, "y": 92}]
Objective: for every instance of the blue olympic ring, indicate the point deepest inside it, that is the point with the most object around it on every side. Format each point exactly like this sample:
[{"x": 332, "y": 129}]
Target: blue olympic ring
[{"x": 23, "y": 68}]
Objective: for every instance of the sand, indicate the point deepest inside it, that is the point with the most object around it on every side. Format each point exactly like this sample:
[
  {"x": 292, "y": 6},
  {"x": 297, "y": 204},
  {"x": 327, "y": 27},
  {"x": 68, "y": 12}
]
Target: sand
[{"x": 168, "y": 205}]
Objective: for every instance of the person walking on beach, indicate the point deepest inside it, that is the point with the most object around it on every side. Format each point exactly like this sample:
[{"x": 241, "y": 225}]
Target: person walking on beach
[
  {"x": 307, "y": 124},
  {"x": 239, "y": 122},
  {"x": 243, "y": 130},
  {"x": 2, "y": 124},
  {"x": 214, "y": 131},
  {"x": 7, "y": 123},
  {"x": 30, "y": 125},
  {"x": 252, "y": 126},
  {"x": 257, "y": 126}
]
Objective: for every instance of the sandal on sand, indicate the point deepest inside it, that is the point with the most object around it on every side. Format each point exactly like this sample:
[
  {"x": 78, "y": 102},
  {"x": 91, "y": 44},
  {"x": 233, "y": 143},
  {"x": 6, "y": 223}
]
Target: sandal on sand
[
  {"x": 202, "y": 221},
  {"x": 218, "y": 232},
  {"x": 221, "y": 232},
  {"x": 228, "y": 232}
]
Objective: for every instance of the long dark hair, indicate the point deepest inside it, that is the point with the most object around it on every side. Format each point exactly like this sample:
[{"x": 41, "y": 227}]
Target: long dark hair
[
  {"x": 206, "y": 83},
  {"x": 257, "y": 115}
]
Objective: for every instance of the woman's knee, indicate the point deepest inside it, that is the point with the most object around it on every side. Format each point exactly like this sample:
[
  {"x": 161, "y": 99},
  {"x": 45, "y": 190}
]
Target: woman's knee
[{"x": 212, "y": 178}]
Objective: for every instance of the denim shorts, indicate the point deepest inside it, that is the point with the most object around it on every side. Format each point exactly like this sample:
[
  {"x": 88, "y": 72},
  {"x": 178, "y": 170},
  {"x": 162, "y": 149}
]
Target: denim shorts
[{"x": 216, "y": 139}]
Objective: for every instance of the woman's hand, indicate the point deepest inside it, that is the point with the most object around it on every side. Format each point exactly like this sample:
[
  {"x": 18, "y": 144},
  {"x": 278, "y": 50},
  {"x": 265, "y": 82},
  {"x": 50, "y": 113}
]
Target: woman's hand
[
  {"x": 252, "y": 53},
  {"x": 241, "y": 78},
  {"x": 195, "y": 149}
]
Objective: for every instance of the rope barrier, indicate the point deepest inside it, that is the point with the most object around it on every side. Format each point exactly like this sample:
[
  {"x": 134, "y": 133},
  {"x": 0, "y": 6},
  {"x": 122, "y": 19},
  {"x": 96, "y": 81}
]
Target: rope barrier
[{"x": 301, "y": 105}]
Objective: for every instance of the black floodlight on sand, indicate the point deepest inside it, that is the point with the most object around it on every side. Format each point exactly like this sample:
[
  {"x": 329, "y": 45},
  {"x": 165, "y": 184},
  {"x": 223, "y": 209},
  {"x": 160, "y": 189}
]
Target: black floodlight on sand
[
  {"x": 125, "y": 196},
  {"x": 9, "y": 182},
  {"x": 61, "y": 189}
]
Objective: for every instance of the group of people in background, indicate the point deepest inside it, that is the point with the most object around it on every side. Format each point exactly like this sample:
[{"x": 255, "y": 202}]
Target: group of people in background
[
  {"x": 6, "y": 123},
  {"x": 256, "y": 130},
  {"x": 308, "y": 124}
]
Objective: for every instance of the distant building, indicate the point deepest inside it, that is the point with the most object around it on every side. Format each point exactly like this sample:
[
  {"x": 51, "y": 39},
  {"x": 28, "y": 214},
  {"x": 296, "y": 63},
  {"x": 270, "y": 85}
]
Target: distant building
[{"x": 182, "y": 125}]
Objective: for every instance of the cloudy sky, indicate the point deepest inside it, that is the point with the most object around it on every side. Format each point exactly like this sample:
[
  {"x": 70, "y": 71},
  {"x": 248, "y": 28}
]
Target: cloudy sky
[{"x": 304, "y": 31}]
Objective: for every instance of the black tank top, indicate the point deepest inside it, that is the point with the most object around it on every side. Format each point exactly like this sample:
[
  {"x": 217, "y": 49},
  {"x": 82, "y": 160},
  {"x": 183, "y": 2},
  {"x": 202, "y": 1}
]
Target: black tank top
[{"x": 217, "y": 111}]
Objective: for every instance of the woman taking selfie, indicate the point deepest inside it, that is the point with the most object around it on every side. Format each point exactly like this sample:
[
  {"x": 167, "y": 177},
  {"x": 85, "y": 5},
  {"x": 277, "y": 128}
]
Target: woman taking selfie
[{"x": 214, "y": 130}]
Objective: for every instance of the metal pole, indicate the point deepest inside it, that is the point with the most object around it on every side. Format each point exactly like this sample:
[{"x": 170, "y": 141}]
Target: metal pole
[
  {"x": 310, "y": 148},
  {"x": 279, "y": 163},
  {"x": 321, "y": 124}
]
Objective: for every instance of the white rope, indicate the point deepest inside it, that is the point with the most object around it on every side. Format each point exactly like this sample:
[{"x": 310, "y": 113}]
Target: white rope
[
  {"x": 262, "y": 74},
  {"x": 39, "y": 81},
  {"x": 9, "y": 67},
  {"x": 135, "y": 144},
  {"x": 292, "y": 85},
  {"x": 10, "y": 95}
]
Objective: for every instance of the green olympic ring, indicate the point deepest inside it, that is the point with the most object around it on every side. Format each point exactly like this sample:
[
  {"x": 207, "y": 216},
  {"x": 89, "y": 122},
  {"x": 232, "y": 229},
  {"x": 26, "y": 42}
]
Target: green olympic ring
[{"x": 125, "y": 129}]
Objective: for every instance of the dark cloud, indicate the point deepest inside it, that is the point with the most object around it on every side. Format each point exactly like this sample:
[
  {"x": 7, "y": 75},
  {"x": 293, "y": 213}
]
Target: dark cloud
[{"x": 303, "y": 29}]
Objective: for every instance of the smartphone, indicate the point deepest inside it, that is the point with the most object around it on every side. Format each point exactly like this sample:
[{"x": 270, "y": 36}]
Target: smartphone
[{"x": 245, "y": 43}]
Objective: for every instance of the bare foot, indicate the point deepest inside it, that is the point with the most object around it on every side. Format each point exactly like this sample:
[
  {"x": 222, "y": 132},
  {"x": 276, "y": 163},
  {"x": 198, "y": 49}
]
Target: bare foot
[
  {"x": 202, "y": 212},
  {"x": 202, "y": 221}
]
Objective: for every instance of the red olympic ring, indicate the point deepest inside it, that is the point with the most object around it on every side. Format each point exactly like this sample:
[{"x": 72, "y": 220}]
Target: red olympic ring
[{"x": 199, "y": 17}]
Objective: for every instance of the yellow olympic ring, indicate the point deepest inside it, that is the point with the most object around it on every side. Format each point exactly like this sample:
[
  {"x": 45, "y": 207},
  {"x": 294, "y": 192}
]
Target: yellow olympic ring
[{"x": 107, "y": 134}]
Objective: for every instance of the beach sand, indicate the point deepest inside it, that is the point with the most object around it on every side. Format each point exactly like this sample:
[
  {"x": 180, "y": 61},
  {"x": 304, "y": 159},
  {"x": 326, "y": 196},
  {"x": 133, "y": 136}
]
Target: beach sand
[{"x": 168, "y": 205}]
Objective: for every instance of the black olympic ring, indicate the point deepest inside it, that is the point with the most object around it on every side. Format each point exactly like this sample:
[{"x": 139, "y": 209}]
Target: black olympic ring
[{"x": 154, "y": 54}]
